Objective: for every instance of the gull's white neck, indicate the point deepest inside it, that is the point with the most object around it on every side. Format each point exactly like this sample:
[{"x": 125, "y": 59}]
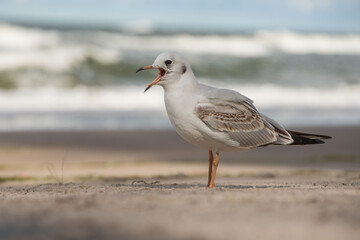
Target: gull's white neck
[
  {"x": 185, "y": 83},
  {"x": 181, "y": 95},
  {"x": 181, "y": 98}
]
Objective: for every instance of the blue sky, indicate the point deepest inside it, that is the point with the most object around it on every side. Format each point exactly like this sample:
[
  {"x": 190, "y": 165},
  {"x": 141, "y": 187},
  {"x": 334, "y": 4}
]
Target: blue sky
[{"x": 308, "y": 15}]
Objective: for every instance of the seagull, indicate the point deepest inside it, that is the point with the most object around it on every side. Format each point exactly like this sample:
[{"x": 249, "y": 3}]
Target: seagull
[{"x": 216, "y": 119}]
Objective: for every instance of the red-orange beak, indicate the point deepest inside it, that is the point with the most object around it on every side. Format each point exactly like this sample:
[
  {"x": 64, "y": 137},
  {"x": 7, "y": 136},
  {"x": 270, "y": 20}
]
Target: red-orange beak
[{"x": 162, "y": 73}]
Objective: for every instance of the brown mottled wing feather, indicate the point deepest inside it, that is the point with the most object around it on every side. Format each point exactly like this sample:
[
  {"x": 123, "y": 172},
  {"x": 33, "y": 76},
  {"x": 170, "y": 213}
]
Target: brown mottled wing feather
[{"x": 242, "y": 122}]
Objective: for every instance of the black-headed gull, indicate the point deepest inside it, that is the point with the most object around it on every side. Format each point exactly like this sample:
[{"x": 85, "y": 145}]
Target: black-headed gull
[{"x": 216, "y": 119}]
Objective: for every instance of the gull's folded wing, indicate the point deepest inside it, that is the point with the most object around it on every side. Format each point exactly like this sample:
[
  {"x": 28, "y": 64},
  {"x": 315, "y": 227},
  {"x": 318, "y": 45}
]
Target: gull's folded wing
[{"x": 241, "y": 121}]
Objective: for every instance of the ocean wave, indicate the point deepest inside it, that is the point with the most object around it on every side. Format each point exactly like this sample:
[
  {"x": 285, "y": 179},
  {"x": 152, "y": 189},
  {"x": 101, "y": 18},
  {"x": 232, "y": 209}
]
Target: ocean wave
[
  {"x": 132, "y": 98},
  {"x": 84, "y": 108},
  {"x": 274, "y": 96},
  {"x": 316, "y": 43},
  {"x": 60, "y": 49},
  {"x": 259, "y": 44},
  {"x": 22, "y": 47},
  {"x": 17, "y": 38},
  {"x": 58, "y": 58},
  {"x": 46, "y": 74}
]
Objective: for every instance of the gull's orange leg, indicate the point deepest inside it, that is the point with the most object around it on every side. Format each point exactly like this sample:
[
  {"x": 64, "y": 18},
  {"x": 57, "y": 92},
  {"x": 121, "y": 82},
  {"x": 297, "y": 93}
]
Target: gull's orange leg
[
  {"x": 213, "y": 174},
  {"x": 211, "y": 159}
]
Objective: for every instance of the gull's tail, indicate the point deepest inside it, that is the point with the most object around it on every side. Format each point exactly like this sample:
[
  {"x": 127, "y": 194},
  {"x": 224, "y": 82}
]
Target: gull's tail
[{"x": 306, "y": 138}]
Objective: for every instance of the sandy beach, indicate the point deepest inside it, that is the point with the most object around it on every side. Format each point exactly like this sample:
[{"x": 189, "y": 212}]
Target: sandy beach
[{"x": 151, "y": 184}]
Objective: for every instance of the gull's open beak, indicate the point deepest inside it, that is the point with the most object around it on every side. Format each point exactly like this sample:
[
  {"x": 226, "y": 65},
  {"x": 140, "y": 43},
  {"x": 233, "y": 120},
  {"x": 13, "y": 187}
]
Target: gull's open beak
[{"x": 162, "y": 73}]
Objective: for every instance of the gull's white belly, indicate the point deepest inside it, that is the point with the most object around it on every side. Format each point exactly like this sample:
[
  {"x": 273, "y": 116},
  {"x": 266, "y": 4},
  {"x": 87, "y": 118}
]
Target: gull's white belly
[{"x": 186, "y": 126}]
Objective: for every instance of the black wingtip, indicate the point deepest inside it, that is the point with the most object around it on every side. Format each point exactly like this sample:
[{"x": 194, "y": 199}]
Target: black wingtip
[{"x": 307, "y": 138}]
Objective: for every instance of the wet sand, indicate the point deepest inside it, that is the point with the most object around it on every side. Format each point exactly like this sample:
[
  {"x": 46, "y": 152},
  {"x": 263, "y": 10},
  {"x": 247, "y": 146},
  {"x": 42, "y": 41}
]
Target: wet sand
[{"x": 151, "y": 185}]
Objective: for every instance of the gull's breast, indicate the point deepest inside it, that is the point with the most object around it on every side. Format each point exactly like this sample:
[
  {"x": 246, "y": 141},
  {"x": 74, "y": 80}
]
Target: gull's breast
[{"x": 181, "y": 113}]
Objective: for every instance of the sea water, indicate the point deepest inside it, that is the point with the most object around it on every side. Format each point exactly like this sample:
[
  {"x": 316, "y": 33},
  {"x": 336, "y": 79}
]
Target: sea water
[{"x": 84, "y": 78}]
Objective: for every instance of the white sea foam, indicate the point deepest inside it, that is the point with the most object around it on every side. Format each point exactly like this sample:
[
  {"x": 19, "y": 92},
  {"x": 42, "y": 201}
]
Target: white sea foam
[
  {"x": 130, "y": 108},
  {"x": 59, "y": 50},
  {"x": 45, "y": 49},
  {"x": 58, "y": 58},
  {"x": 20, "y": 38},
  {"x": 132, "y": 98},
  {"x": 297, "y": 43},
  {"x": 262, "y": 43},
  {"x": 80, "y": 98},
  {"x": 270, "y": 96}
]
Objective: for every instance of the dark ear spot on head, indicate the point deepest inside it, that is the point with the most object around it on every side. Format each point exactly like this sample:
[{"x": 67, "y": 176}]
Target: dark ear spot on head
[{"x": 183, "y": 69}]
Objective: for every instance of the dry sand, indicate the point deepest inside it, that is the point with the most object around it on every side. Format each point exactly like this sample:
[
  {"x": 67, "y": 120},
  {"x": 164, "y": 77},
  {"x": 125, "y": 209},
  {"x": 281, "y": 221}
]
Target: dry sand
[
  {"x": 82, "y": 185},
  {"x": 308, "y": 207}
]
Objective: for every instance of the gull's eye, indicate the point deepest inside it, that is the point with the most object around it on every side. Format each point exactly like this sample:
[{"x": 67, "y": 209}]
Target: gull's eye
[{"x": 167, "y": 62}]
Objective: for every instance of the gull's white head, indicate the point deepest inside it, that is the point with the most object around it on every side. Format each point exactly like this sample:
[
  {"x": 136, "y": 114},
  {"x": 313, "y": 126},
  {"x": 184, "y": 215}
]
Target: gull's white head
[{"x": 171, "y": 68}]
